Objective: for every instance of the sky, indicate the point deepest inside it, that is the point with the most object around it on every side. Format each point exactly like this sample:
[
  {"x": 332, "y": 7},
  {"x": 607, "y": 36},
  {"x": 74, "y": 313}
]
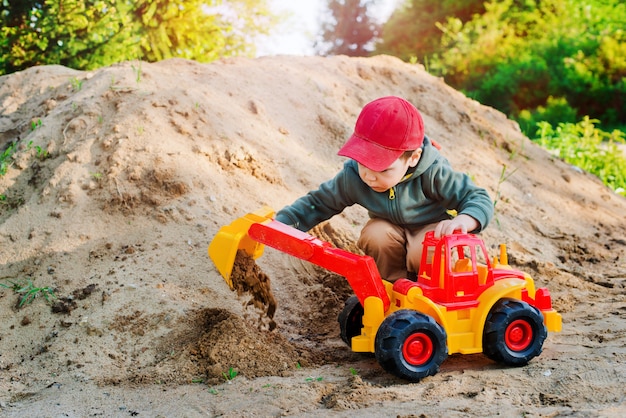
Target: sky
[{"x": 295, "y": 36}]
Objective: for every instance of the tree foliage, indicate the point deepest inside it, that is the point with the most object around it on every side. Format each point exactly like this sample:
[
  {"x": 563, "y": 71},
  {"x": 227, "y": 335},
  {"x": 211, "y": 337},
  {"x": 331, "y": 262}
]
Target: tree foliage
[
  {"x": 86, "y": 34},
  {"x": 411, "y": 31},
  {"x": 530, "y": 58},
  {"x": 348, "y": 29}
]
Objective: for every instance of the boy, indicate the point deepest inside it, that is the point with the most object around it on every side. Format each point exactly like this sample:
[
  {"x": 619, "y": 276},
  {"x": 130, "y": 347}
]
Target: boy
[{"x": 397, "y": 174}]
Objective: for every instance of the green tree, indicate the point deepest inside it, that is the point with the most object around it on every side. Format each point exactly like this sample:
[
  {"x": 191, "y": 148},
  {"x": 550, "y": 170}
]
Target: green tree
[
  {"x": 348, "y": 29},
  {"x": 86, "y": 34},
  {"x": 527, "y": 58},
  {"x": 412, "y": 32},
  {"x": 518, "y": 54}
]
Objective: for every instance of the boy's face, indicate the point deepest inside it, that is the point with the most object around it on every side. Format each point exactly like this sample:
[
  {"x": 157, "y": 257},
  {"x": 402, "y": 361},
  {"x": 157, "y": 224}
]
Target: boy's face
[{"x": 381, "y": 181}]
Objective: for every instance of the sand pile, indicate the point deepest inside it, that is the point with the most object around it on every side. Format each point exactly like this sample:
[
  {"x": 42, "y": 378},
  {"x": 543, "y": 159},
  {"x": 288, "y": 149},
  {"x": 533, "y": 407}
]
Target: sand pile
[{"x": 120, "y": 177}]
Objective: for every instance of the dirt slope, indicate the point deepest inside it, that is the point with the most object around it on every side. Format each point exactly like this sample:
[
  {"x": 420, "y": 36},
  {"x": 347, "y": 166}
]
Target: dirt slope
[{"x": 123, "y": 175}]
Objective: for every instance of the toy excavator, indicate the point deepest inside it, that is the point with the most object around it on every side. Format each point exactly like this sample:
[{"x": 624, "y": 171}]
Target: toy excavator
[{"x": 460, "y": 303}]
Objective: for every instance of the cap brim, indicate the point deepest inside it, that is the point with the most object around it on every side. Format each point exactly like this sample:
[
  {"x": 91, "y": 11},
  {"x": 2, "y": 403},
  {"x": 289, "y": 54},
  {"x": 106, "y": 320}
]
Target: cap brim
[{"x": 369, "y": 154}]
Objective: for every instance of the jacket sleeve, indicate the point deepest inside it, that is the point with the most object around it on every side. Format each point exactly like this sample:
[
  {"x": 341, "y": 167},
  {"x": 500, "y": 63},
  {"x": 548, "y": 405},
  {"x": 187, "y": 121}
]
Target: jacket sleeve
[
  {"x": 457, "y": 191},
  {"x": 329, "y": 199}
]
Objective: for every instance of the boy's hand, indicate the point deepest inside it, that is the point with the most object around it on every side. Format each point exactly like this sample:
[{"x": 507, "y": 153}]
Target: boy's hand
[{"x": 461, "y": 223}]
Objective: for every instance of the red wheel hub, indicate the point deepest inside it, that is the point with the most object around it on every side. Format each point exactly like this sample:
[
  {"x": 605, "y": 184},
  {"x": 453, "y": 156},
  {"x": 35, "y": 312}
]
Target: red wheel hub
[
  {"x": 519, "y": 335},
  {"x": 417, "y": 348}
]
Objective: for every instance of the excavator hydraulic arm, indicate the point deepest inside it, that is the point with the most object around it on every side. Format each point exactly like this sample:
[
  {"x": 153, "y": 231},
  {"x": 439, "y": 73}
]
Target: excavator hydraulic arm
[{"x": 250, "y": 231}]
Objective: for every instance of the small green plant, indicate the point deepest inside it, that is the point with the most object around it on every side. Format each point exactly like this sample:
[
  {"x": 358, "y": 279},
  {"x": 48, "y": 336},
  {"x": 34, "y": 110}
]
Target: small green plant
[
  {"x": 230, "y": 375},
  {"x": 353, "y": 371},
  {"x": 213, "y": 391},
  {"x": 5, "y": 158},
  {"x": 517, "y": 151},
  {"x": 11, "y": 202},
  {"x": 137, "y": 71},
  {"x": 591, "y": 149},
  {"x": 314, "y": 379},
  {"x": 34, "y": 124},
  {"x": 76, "y": 83},
  {"x": 29, "y": 291},
  {"x": 42, "y": 154}
]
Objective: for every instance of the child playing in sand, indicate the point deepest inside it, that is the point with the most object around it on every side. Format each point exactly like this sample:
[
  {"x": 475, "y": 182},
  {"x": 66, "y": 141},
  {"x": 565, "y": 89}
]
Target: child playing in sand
[{"x": 407, "y": 186}]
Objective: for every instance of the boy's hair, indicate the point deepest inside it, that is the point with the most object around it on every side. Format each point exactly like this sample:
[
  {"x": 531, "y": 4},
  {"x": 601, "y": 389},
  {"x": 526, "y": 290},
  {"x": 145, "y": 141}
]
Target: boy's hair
[{"x": 407, "y": 154}]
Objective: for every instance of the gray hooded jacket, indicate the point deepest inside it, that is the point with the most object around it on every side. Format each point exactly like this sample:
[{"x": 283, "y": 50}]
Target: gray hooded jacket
[{"x": 421, "y": 198}]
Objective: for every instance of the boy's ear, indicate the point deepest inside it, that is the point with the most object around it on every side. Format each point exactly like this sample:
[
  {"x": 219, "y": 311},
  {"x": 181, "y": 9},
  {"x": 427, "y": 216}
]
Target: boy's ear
[{"x": 415, "y": 157}]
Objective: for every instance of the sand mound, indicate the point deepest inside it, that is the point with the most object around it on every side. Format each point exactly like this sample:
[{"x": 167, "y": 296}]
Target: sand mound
[{"x": 120, "y": 177}]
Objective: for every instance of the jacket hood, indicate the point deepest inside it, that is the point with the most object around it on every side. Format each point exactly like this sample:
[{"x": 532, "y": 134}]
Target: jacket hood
[{"x": 428, "y": 157}]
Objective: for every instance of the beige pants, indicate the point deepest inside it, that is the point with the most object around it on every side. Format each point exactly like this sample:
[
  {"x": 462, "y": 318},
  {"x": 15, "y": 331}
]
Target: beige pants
[{"x": 395, "y": 249}]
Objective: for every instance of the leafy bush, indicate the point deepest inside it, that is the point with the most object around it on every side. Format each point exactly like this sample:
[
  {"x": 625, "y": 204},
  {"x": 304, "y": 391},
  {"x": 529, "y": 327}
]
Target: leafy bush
[
  {"x": 556, "y": 110},
  {"x": 87, "y": 34},
  {"x": 515, "y": 54},
  {"x": 589, "y": 148}
]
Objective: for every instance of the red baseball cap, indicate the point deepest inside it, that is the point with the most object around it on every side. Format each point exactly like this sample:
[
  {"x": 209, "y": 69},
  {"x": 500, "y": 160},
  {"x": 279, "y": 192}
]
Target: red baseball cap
[{"x": 385, "y": 128}]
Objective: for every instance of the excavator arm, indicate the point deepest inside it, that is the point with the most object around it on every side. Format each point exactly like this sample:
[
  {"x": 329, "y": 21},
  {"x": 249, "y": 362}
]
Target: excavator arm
[{"x": 258, "y": 228}]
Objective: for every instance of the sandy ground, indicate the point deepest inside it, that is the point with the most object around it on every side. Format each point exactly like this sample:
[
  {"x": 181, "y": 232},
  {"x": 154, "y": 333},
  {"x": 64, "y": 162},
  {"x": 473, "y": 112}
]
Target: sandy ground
[{"x": 123, "y": 175}]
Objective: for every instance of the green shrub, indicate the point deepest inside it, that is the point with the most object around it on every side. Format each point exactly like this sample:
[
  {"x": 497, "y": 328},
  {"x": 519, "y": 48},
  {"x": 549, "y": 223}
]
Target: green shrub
[
  {"x": 556, "y": 110},
  {"x": 588, "y": 148},
  {"x": 517, "y": 53}
]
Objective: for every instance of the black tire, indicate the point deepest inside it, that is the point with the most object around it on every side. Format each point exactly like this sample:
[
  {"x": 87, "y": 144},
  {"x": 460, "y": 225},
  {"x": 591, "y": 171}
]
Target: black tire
[
  {"x": 351, "y": 320},
  {"x": 410, "y": 345},
  {"x": 514, "y": 332}
]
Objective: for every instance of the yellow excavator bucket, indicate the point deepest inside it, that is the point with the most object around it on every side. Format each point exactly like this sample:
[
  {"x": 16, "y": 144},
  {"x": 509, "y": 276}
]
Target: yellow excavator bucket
[{"x": 231, "y": 238}]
